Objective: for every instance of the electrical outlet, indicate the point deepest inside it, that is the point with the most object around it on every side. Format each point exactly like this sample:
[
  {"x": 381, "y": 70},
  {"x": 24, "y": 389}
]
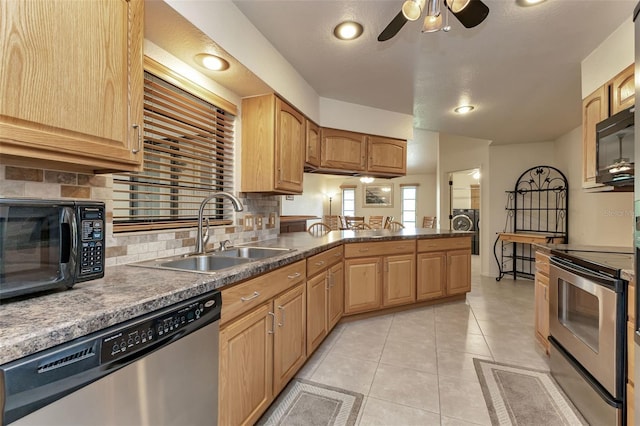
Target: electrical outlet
[
  {"x": 248, "y": 222},
  {"x": 272, "y": 220},
  {"x": 259, "y": 222}
]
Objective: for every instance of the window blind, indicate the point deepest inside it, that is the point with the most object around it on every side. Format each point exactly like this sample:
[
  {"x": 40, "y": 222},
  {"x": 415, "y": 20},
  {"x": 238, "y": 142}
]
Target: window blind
[{"x": 188, "y": 155}]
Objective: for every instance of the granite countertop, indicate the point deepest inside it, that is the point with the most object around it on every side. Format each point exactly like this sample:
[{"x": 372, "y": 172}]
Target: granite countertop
[{"x": 34, "y": 324}]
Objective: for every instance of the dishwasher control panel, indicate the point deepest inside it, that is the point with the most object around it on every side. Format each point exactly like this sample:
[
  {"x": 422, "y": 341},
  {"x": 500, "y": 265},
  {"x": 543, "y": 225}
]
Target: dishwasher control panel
[{"x": 144, "y": 333}]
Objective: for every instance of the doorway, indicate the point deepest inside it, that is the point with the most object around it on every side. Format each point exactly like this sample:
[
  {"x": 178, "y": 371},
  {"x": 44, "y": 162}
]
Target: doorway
[{"x": 464, "y": 205}]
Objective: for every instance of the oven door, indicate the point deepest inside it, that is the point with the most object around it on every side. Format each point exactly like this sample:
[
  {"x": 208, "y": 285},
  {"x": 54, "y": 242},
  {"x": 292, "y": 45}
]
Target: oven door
[{"x": 585, "y": 318}]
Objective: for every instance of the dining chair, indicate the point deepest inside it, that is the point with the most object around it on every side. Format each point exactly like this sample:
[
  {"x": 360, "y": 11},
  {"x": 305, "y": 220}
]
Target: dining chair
[
  {"x": 333, "y": 222},
  {"x": 376, "y": 222},
  {"x": 387, "y": 221},
  {"x": 319, "y": 228},
  {"x": 429, "y": 222},
  {"x": 362, "y": 225},
  {"x": 342, "y": 224},
  {"x": 351, "y": 221},
  {"x": 394, "y": 226}
]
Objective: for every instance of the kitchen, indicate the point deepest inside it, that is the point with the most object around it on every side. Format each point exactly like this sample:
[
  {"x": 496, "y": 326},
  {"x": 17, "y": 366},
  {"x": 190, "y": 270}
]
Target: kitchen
[{"x": 500, "y": 164}]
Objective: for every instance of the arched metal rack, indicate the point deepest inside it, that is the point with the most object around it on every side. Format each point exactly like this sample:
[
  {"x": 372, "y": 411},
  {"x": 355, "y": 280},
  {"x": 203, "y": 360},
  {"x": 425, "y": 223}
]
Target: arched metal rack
[{"x": 537, "y": 212}]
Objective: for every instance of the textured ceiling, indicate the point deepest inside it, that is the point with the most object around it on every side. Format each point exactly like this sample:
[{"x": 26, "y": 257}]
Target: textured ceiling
[{"x": 520, "y": 67}]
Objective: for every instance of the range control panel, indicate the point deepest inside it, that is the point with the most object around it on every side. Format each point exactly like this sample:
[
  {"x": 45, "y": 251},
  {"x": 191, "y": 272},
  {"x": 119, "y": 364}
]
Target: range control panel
[{"x": 146, "y": 332}]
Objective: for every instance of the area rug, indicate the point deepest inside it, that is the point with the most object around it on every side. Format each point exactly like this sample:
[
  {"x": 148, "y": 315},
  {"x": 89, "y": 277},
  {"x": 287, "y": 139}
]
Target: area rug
[
  {"x": 522, "y": 396},
  {"x": 312, "y": 404}
]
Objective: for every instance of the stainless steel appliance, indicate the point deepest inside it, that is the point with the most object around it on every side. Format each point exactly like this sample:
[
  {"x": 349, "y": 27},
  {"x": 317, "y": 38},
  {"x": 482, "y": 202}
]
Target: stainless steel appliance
[
  {"x": 49, "y": 244},
  {"x": 614, "y": 143},
  {"x": 587, "y": 306},
  {"x": 158, "y": 369},
  {"x": 636, "y": 20}
]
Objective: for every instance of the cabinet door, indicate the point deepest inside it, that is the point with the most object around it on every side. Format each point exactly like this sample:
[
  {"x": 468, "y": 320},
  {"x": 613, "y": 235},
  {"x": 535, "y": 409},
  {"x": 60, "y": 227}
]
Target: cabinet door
[
  {"x": 623, "y": 90},
  {"x": 336, "y": 295},
  {"x": 431, "y": 275},
  {"x": 72, "y": 81},
  {"x": 290, "y": 147},
  {"x": 594, "y": 109},
  {"x": 399, "y": 280},
  {"x": 342, "y": 150},
  {"x": 246, "y": 367},
  {"x": 458, "y": 272},
  {"x": 312, "y": 154},
  {"x": 289, "y": 343},
  {"x": 385, "y": 155},
  {"x": 317, "y": 289},
  {"x": 362, "y": 284},
  {"x": 541, "y": 296}
]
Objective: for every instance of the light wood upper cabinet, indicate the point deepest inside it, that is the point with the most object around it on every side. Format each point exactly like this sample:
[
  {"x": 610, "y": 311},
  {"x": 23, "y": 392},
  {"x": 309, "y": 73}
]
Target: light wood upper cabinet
[
  {"x": 312, "y": 154},
  {"x": 386, "y": 155},
  {"x": 623, "y": 90},
  {"x": 273, "y": 146},
  {"x": 611, "y": 98},
  {"x": 595, "y": 108},
  {"x": 342, "y": 150},
  {"x": 72, "y": 82}
]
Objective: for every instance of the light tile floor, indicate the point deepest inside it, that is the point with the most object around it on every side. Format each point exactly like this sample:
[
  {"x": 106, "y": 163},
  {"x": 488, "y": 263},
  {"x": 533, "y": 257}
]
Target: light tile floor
[{"x": 416, "y": 367}]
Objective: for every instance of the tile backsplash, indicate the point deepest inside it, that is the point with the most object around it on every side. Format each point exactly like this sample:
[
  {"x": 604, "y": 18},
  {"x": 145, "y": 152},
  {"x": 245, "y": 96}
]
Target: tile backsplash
[{"x": 25, "y": 182}]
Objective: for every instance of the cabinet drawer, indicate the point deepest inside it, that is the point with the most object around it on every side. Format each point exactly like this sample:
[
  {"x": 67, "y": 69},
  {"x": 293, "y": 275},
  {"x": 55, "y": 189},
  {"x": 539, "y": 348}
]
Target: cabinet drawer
[
  {"x": 323, "y": 260},
  {"x": 243, "y": 297},
  {"x": 542, "y": 263},
  {"x": 379, "y": 249},
  {"x": 438, "y": 244}
]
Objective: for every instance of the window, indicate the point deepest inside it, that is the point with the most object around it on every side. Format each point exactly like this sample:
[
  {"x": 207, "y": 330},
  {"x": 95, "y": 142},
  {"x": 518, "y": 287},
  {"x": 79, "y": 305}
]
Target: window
[
  {"x": 409, "y": 195},
  {"x": 188, "y": 154},
  {"x": 348, "y": 201}
]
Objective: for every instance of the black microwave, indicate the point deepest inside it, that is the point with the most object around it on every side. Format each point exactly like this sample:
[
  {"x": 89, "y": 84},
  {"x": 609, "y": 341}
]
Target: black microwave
[
  {"x": 49, "y": 244},
  {"x": 615, "y": 150}
]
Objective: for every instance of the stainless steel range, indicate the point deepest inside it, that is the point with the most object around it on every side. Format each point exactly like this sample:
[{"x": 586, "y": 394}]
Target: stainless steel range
[{"x": 587, "y": 318}]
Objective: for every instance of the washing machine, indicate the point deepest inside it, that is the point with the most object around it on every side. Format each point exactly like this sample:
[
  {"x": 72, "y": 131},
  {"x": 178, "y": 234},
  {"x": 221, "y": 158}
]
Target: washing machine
[{"x": 468, "y": 220}]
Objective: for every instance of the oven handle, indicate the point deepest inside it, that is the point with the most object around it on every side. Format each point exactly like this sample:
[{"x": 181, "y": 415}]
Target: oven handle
[{"x": 611, "y": 283}]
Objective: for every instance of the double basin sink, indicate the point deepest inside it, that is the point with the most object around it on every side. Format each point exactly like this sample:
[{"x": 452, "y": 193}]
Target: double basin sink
[{"x": 215, "y": 261}]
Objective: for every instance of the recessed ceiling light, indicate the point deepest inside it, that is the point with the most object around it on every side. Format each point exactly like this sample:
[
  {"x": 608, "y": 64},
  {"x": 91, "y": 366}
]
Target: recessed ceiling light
[
  {"x": 211, "y": 62},
  {"x": 348, "y": 30},
  {"x": 463, "y": 109},
  {"x": 526, "y": 3}
]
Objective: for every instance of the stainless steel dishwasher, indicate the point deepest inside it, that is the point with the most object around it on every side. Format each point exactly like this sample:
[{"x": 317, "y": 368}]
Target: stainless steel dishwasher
[{"x": 157, "y": 369}]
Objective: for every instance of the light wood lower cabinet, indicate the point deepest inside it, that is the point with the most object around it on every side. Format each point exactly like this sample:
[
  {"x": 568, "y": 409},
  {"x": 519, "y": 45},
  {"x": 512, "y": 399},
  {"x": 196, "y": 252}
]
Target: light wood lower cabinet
[
  {"x": 444, "y": 267},
  {"x": 261, "y": 346},
  {"x": 384, "y": 277},
  {"x": 541, "y": 296},
  {"x": 336, "y": 295},
  {"x": 316, "y": 311}
]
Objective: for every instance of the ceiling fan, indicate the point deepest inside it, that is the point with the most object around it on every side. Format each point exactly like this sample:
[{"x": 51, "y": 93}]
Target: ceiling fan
[{"x": 469, "y": 12}]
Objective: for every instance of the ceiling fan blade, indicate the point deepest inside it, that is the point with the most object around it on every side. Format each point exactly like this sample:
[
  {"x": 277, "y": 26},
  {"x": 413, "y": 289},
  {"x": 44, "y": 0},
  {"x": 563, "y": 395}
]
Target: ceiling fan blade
[
  {"x": 473, "y": 14},
  {"x": 394, "y": 26}
]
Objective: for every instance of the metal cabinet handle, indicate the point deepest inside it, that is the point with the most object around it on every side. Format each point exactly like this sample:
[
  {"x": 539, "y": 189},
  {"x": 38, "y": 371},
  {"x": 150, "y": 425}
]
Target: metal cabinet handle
[
  {"x": 320, "y": 263},
  {"x": 296, "y": 275},
  {"x": 273, "y": 323},
  {"x": 253, "y": 296},
  {"x": 138, "y": 137},
  {"x": 281, "y": 324}
]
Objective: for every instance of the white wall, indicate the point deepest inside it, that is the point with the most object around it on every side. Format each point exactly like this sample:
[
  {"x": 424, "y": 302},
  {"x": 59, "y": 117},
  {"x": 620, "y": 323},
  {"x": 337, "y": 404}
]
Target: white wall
[
  {"x": 312, "y": 200},
  {"x": 462, "y": 182},
  {"x": 612, "y": 56},
  {"x": 364, "y": 119},
  {"x": 595, "y": 218}
]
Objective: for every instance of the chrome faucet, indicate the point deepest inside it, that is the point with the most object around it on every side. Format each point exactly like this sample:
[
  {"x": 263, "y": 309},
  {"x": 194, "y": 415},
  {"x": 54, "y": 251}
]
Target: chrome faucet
[{"x": 201, "y": 240}]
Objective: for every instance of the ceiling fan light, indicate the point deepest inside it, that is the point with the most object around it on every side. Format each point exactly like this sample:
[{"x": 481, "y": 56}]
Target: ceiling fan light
[
  {"x": 412, "y": 9},
  {"x": 457, "y": 5},
  {"x": 432, "y": 24}
]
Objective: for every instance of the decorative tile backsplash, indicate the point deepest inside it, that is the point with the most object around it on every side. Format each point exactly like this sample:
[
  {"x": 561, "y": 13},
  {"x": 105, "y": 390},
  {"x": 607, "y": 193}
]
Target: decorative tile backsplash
[{"x": 24, "y": 182}]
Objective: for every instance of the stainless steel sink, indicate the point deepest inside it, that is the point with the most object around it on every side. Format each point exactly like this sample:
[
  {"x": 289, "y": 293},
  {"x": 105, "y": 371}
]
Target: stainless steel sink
[
  {"x": 214, "y": 261},
  {"x": 251, "y": 252},
  {"x": 204, "y": 263}
]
